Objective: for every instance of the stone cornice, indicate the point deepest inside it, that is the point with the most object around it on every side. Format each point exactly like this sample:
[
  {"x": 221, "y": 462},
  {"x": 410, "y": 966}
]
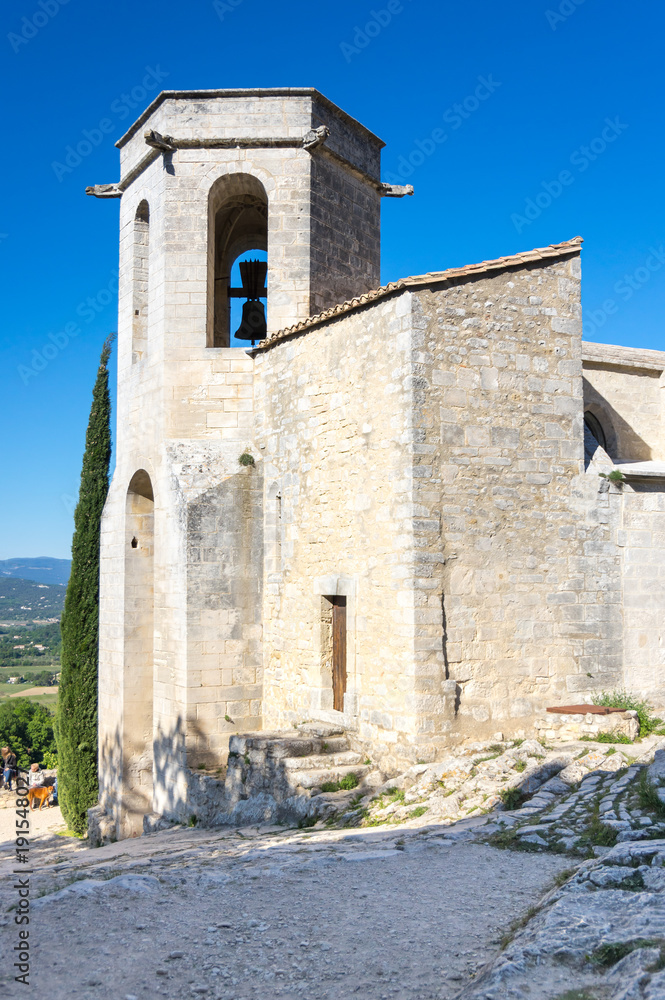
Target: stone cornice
[{"x": 622, "y": 357}]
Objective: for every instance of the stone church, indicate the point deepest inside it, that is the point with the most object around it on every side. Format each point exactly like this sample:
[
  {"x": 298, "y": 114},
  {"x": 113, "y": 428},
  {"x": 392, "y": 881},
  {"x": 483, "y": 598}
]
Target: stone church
[{"x": 386, "y": 514}]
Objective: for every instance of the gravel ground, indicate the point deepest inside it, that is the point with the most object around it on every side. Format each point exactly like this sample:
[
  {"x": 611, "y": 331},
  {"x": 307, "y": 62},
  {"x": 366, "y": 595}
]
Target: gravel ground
[{"x": 406, "y": 913}]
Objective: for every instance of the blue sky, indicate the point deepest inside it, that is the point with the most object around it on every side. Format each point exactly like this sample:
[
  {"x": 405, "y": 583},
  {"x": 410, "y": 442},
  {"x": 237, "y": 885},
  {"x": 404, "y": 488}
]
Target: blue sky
[{"x": 558, "y": 132}]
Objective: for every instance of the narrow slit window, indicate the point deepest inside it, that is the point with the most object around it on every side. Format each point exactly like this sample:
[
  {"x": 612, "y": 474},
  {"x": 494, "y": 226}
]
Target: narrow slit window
[{"x": 141, "y": 282}]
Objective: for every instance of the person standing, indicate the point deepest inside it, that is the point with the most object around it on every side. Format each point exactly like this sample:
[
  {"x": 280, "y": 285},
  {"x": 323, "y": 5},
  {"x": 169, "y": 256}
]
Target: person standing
[{"x": 9, "y": 766}]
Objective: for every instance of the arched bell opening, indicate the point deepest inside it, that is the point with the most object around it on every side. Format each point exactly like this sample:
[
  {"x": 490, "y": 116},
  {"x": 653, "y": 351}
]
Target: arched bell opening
[{"x": 238, "y": 230}]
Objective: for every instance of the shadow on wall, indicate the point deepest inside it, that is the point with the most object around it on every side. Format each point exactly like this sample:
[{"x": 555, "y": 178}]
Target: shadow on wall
[
  {"x": 127, "y": 804},
  {"x": 623, "y": 442}
]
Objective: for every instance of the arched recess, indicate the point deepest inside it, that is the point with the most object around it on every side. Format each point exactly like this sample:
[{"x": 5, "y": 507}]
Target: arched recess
[
  {"x": 137, "y": 742},
  {"x": 140, "y": 281},
  {"x": 594, "y": 425},
  {"x": 599, "y": 423},
  {"x": 237, "y": 222}
]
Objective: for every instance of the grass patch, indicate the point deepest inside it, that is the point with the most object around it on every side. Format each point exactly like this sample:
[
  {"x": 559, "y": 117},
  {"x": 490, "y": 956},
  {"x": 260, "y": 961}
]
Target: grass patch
[
  {"x": 648, "y": 796},
  {"x": 306, "y": 821},
  {"x": 607, "y": 738},
  {"x": 575, "y": 995},
  {"x": 481, "y": 760},
  {"x": 348, "y": 782},
  {"x": 517, "y": 925},
  {"x": 631, "y": 702},
  {"x": 519, "y": 766},
  {"x": 511, "y": 798},
  {"x": 562, "y": 877},
  {"x": 632, "y": 883},
  {"x": 609, "y": 954},
  {"x": 418, "y": 811},
  {"x": 597, "y": 833},
  {"x": 70, "y": 833}
]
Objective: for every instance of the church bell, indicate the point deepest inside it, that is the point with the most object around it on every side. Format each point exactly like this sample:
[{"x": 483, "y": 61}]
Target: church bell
[{"x": 253, "y": 324}]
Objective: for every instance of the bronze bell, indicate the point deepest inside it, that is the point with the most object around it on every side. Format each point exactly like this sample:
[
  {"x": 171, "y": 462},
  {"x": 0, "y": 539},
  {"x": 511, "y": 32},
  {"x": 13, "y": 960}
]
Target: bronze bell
[{"x": 253, "y": 324}]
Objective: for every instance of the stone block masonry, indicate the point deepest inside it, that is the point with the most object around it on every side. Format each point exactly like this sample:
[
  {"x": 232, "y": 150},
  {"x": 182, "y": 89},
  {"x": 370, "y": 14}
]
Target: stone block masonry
[{"x": 415, "y": 553}]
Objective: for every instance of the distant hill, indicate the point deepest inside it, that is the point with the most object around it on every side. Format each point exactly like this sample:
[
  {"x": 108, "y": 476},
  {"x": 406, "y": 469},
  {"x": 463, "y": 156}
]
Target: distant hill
[
  {"x": 41, "y": 569},
  {"x": 25, "y": 600}
]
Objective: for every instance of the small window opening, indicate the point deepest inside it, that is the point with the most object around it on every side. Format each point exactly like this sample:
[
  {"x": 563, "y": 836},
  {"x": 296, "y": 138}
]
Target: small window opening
[{"x": 135, "y": 543}]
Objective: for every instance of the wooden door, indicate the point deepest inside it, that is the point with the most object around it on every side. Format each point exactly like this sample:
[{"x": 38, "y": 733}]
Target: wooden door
[{"x": 339, "y": 651}]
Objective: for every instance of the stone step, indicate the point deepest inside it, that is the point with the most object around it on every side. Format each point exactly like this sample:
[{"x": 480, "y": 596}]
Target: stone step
[
  {"x": 322, "y": 761},
  {"x": 315, "y": 778},
  {"x": 323, "y": 729},
  {"x": 260, "y": 746}
]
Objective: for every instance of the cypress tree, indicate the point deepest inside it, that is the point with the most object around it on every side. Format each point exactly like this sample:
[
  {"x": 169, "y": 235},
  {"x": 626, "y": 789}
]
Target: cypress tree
[{"x": 76, "y": 723}]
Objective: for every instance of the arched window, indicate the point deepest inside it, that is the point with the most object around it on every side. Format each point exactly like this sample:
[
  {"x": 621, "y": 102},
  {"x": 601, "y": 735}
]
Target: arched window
[
  {"x": 138, "y": 677},
  {"x": 238, "y": 223},
  {"x": 140, "y": 282},
  {"x": 593, "y": 424}
]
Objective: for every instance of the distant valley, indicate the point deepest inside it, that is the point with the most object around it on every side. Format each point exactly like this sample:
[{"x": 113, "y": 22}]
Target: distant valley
[
  {"x": 27, "y": 601},
  {"x": 39, "y": 569}
]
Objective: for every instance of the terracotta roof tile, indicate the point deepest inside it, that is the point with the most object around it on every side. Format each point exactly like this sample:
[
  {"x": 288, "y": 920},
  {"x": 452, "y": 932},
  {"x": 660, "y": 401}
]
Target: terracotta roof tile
[{"x": 422, "y": 280}]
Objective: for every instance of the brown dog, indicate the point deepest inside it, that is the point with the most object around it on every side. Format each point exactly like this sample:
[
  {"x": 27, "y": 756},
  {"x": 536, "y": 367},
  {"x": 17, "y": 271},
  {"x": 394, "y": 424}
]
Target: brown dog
[{"x": 40, "y": 795}]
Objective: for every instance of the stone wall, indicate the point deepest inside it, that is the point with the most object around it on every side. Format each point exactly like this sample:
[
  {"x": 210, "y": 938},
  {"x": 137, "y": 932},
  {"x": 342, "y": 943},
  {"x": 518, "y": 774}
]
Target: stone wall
[
  {"x": 641, "y": 540},
  {"x": 426, "y": 454},
  {"x": 531, "y": 583},
  {"x": 625, "y": 390},
  {"x": 334, "y": 424}
]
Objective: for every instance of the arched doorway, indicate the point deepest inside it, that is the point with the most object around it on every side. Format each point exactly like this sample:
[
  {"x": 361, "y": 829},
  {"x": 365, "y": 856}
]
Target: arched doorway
[{"x": 137, "y": 743}]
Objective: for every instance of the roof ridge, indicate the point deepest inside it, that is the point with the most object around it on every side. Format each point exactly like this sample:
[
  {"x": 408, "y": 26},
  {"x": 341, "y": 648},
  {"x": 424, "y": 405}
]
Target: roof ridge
[{"x": 554, "y": 250}]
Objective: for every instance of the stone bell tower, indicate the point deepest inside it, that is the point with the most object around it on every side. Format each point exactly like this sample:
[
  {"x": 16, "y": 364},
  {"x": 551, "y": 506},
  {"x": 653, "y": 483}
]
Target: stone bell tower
[{"x": 205, "y": 177}]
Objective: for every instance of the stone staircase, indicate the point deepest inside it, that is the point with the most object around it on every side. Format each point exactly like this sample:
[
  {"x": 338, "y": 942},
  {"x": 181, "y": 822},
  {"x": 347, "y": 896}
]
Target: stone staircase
[{"x": 287, "y": 776}]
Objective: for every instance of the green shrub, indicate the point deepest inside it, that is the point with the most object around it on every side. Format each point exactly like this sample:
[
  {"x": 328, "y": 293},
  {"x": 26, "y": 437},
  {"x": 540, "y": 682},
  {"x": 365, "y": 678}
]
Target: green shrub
[
  {"x": 630, "y": 702},
  {"x": 648, "y": 796},
  {"x": 49, "y": 760},
  {"x": 26, "y": 727},
  {"x": 511, "y": 797},
  {"x": 609, "y": 954},
  {"x": 597, "y": 833},
  {"x": 348, "y": 782}
]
